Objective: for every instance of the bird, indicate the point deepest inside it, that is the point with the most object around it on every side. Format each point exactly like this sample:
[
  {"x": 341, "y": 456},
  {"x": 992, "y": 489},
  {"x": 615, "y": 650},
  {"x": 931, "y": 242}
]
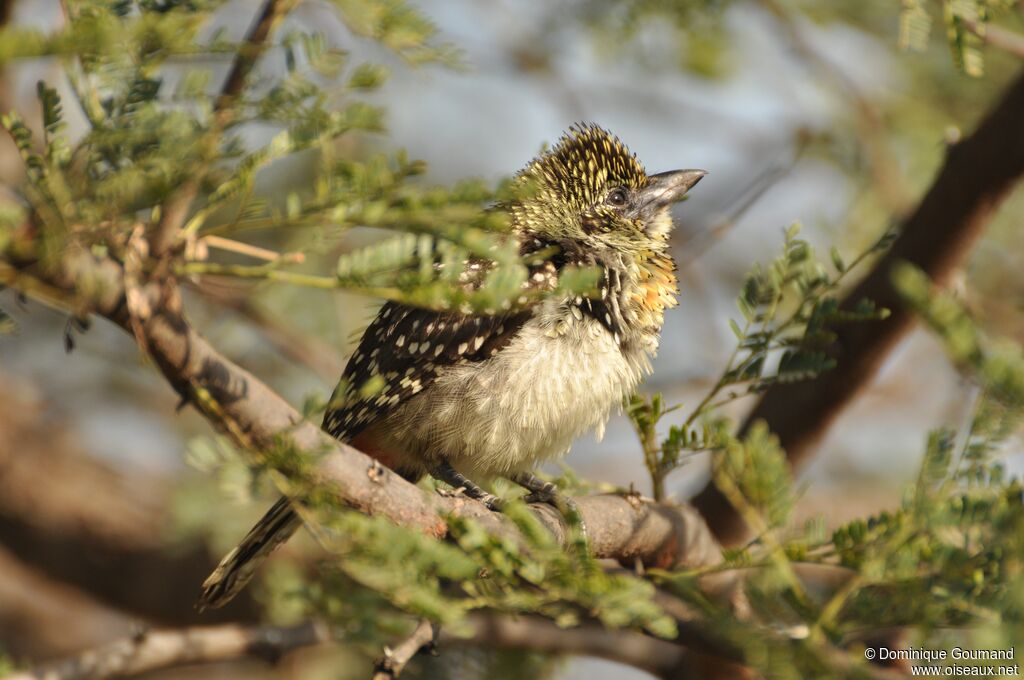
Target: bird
[{"x": 467, "y": 397}]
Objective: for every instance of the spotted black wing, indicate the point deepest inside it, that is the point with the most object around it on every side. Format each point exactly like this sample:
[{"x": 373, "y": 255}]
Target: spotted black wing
[
  {"x": 400, "y": 354},
  {"x": 404, "y": 348}
]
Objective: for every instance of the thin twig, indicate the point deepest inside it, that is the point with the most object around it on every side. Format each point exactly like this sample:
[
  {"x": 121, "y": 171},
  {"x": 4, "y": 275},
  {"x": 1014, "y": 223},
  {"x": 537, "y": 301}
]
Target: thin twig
[
  {"x": 233, "y": 246},
  {"x": 266, "y": 271},
  {"x": 175, "y": 209},
  {"x": 996, "y": 36},
  {"x": 393, "y": 662}
]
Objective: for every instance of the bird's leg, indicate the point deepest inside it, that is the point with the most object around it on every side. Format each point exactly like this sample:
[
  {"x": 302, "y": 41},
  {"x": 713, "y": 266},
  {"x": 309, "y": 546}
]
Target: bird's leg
[
  {"x": 452, "y": 477},
  {"x": 546, "y": 492}
]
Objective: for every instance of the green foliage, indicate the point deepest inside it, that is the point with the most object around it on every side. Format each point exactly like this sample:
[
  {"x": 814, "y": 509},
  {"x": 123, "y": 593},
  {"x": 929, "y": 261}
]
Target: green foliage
[
  {"x": 951, "y": 553},
  {"x": 114, "y": 34},
  {"x": 7, "y": 666},
  {"x": 405, "y": 566},
  {"x": 965, "y": 23},
  {"x": 698, "y": 35},
  {"x": 755, "y": 476},
  {"x": 703, "y": 42},
  {"x": 415, "y": 573},
  {"x": 399, "y": 26},
  {"x": 949, "y": 556},
  {"x": 144, "y": 143},
  {"x": 915, "y": 25},
  {"x": 789, "y": 308},
  {"x": 405, "y": 570},
  {"x": 1000, "y": 365}
]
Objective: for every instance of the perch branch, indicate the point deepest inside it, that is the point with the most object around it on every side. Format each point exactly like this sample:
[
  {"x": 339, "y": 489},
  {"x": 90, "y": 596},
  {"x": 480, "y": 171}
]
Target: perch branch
[{"x": 625, "y": 528}]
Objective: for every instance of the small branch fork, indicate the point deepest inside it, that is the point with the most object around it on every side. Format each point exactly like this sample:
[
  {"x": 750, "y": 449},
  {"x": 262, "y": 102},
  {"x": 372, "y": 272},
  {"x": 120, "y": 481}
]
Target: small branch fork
[{"x": 391, "y": 665}]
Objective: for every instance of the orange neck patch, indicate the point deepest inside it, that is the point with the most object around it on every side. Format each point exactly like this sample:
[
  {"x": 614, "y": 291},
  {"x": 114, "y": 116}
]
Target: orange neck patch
[{"x": 657, "y": 290}]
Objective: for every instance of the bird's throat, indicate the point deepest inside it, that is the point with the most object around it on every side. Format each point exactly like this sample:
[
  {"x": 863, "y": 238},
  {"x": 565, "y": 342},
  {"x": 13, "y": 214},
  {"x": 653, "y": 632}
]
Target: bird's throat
[{"x": 657, "y": 289}]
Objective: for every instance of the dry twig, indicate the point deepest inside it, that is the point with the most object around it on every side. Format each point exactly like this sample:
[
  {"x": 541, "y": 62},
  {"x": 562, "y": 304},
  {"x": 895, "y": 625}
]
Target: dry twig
[
  {"x": 996, "y": 36},
  {"x": 393, "y": 662}
]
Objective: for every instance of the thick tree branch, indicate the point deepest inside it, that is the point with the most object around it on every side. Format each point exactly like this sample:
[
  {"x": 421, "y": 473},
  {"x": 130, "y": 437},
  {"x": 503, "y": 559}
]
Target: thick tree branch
[
  {"x": 537, "y": 634},
  {"x": 157, "y": 649},
  {"x": 162, "y": 649},
  {"x": 977, "y": 176}
]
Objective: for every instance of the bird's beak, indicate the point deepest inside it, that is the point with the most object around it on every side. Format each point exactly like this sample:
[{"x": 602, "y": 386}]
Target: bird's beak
[{"x": 666, "y": 188}]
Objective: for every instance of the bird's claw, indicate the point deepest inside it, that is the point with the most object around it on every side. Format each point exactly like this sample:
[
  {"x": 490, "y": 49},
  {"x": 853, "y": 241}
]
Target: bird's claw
[
  {"x": 447, "y": 474},
  {"x": 548, "y": 494},
  {"x": 493, "y": 503}
]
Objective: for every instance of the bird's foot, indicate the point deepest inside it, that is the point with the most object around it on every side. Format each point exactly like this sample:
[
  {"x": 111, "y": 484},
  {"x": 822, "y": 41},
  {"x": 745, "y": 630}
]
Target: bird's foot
[
  {"x": 446, "y": 473},
  {"x": 548, "y": 493}
]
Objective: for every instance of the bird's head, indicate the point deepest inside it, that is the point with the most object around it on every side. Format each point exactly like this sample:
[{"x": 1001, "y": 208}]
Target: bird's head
[{"x": 591, "y": 190}]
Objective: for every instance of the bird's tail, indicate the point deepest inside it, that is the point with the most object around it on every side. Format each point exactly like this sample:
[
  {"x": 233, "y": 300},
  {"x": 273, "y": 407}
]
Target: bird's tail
[{"x": 238, "y": 567}]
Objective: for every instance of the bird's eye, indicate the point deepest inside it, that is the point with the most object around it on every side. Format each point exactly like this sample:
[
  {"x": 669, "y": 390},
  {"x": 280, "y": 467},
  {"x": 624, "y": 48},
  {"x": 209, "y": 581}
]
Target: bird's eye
[{"x": 617, "y": 197}]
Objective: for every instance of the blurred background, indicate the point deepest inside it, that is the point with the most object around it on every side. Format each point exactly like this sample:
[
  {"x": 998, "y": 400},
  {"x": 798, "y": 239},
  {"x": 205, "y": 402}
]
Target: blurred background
[{"x": 801, "y": 112}]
